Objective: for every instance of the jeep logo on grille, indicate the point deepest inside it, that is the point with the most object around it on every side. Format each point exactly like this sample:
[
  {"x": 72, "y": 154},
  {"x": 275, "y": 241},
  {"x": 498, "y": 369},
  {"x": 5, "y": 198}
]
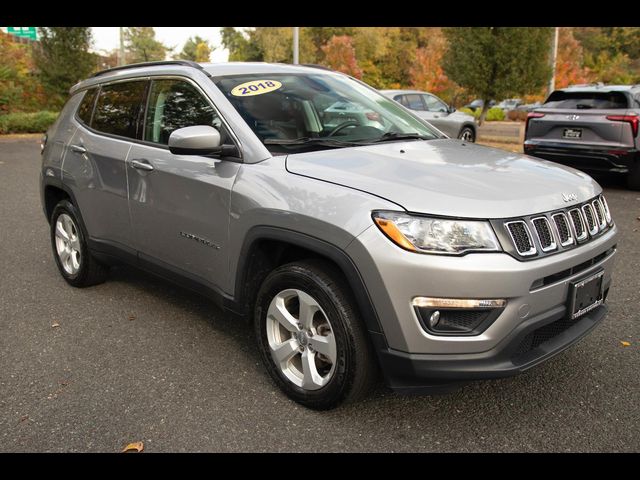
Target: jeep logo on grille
[
  {"x": 573, "y": 117},
  {"x": 569, "y": 197}
]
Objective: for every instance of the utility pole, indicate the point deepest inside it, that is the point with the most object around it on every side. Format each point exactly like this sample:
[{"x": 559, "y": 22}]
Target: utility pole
[
  {"x": 121, "y": 50},
  {"x": 296, "y": 42},
  {"x": 554, "y": 58}
]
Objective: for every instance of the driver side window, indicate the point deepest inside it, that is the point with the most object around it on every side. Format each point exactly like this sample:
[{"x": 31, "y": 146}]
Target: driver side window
[
  {"x": 175, "y": 104},
  {"x": 433, "y": 104}
]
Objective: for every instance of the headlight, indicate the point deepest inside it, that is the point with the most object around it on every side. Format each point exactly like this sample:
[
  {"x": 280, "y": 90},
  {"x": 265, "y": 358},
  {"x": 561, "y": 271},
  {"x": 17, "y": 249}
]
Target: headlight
[{"x": 437, "y": 235}]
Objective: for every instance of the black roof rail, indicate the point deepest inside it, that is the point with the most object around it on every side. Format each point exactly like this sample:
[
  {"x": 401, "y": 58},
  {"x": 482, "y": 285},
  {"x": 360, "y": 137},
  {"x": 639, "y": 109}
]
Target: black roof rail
[{"x": 186, "y": 63}]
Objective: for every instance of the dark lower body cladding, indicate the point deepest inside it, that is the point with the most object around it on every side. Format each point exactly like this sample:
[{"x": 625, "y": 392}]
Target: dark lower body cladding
[
  {"x": 531, "y": 343},
  {"x": 614, "y": 160}
]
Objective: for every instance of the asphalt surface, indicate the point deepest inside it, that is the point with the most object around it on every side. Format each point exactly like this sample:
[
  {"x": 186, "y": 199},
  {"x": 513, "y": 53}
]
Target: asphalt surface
[{"x": 138, "y": 359}]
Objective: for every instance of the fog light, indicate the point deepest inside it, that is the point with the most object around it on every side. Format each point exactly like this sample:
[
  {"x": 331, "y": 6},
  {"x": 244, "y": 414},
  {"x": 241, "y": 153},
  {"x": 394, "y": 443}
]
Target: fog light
[
  {"x": 451, "y": 316},
  {"x": 434, "y": 319}
]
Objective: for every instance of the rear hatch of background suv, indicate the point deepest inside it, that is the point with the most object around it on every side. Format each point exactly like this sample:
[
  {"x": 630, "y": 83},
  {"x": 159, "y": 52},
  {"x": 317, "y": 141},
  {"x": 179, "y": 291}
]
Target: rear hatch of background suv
[{"x": 588, "y": 119}]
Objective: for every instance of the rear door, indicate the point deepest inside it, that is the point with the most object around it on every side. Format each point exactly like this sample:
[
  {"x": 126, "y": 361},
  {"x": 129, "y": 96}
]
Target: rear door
[
  {"x": 180, "y": 203},
  {"x": 440, "y": 116},
  {"x": 95, "y": 162},
  {"x": 580, "y": 118}
]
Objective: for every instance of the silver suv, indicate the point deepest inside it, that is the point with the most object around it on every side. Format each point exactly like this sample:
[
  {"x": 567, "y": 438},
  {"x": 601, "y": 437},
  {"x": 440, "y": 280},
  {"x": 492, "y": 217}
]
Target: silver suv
[
  {"x": 351, "y": 234},
  {"x": 590, "y": 127}
]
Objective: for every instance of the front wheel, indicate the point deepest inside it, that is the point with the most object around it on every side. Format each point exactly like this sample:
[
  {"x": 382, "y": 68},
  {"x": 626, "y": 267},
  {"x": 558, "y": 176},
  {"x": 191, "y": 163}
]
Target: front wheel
[
  {"x": 311, "y": 339},
  {"x": 467, "y": 134}
]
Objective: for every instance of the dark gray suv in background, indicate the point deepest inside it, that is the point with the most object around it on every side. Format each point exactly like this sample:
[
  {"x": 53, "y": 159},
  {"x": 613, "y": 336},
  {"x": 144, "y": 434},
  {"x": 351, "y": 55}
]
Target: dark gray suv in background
[
  {"x": 353, "y": 235},
  {"x": 590, "y": 127}
]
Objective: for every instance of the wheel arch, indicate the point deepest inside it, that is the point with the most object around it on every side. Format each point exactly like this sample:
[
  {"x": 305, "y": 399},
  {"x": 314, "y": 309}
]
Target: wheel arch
[{"x": 266, "y": 248}]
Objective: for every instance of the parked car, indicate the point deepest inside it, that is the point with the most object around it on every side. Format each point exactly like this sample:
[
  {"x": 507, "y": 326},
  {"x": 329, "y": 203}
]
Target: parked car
[
  {"x": 477, "y": 105},
  {"x": 528, "y": 107},
  {"x": 590, "y": 127},
  {"x": 348, "y": 246},
  {"x": 509, "y": 104},
  {"x": 432, "y": 109}
]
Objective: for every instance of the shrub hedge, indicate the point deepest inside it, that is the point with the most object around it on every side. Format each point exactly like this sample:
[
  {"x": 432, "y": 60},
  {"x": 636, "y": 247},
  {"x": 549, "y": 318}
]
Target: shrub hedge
[
  {"x": 494, "y": 114},
  {"x": 36, "y": 122}
]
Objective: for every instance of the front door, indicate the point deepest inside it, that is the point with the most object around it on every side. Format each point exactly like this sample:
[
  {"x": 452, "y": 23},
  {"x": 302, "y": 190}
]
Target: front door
[{"x": 180, "y": 203}]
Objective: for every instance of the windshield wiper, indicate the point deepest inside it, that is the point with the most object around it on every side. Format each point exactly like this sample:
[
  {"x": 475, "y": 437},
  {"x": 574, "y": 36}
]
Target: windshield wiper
[
  {"x": 392, "y": 136},
  {"x": 324, "y": 141}
]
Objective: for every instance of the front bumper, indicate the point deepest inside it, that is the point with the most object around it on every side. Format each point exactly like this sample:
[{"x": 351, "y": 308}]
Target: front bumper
[
  {"x": 532, "y": 342},
  {"x": 584, "y": 157}
]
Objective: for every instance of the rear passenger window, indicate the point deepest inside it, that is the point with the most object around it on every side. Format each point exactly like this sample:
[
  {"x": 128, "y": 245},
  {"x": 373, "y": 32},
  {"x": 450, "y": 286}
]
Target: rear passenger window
[
  {"x": 86, "y": 106},
  {"x": 175, "y": 104},
  {"x": 118, "y": 108},
  {"x": 414, "y": 102}
]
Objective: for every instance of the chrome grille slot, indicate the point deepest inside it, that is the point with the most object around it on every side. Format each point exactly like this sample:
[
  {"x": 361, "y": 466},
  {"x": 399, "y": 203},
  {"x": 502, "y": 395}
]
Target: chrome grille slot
[
  {"x": 599, "y": 209},
  {"x": 543, "y": 231},
  {"x": 579, "y": 227},
  {"x": 607, "y": 212},
  {"x": 590, "y": 219},
  {"x": 565, "y": 236},
  {"x": 521, "y": 237}
]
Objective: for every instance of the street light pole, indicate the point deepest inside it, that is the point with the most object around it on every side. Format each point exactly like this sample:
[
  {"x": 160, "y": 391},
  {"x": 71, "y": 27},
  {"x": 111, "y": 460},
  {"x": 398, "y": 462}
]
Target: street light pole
[
  {"x": 121, "y": 50},
  {"x": 296, "y": 41},
  {"x": 554, "y": 58}
]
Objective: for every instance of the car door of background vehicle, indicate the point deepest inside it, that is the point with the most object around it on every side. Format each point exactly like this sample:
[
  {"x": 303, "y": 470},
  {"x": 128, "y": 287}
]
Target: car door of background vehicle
[
  {"x": 94, "y": 165},
  {"x": 179, "y": 204},
  {"x": 415, "y": 102},
  {"x": 439, "y": 115}
]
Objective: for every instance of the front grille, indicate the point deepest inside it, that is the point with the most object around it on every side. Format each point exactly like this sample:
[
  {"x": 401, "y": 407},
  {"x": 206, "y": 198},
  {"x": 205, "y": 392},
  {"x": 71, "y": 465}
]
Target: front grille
[
  {"x": 545, "y": 237},
  {"x": 535, "y": 236},
  {"x": 577, "y": 220},
  {"x": 599, "y": 209},
  {"x": 590, "y": 219},
  {"x": 562, "y": 227},
  {"x": 539, "y": 336},
  {"x": 521, "y": 237}
]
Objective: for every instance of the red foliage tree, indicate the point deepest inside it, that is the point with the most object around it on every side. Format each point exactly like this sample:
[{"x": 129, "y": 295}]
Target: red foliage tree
[
  {"x": 340, "y": 55},
  {"x": 570, "y": 60}
]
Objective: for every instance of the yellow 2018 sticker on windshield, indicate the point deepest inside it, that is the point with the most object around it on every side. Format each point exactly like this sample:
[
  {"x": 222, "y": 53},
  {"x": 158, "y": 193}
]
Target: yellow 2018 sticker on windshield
[{"x": 255, "y": 87}]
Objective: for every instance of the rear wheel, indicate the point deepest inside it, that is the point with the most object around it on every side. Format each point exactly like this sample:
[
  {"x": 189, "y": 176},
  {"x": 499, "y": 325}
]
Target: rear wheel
[
  {"x": 467, "y": 134},
  {"x": 311, "y": 339},
  {"x": 70, "y": 250}
]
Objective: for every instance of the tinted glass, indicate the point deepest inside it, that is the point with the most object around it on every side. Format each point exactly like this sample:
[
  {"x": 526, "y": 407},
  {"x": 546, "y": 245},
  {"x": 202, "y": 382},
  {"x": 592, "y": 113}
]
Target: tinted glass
[
  {"x": 176, "y": 104},
  {"x": 586, "y": 100},
  {"x": 118, "y": 108},
  {"x": 86, "y": 106},
  {"x": 300, "y": 106},
  {"x": 414, "y": 102},
  {"x": 433, "y": 104}
]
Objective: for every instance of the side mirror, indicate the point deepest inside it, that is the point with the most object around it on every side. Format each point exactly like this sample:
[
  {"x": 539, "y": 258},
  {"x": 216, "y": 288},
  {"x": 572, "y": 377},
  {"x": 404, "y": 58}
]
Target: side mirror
[{"x": 199, "y": 140}]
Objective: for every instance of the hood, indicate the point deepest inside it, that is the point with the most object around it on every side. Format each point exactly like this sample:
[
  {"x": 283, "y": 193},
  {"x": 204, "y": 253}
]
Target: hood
[{"x": 449, "y": 177}]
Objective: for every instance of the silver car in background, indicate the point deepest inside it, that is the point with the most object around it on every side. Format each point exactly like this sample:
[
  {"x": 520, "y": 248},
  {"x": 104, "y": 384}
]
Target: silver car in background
[{"x": 435, "y": 111}]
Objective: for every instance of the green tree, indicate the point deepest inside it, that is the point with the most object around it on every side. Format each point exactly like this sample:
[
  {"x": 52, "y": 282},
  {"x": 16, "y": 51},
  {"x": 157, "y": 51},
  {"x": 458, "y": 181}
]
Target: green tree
[
  {"x": 242, "y": 48},
  {"x": 498, "y": 62},
  {"x": 196, "y": 49},
  {"x": 62, "y": 60},
  {"x": 141, "y": 45}
]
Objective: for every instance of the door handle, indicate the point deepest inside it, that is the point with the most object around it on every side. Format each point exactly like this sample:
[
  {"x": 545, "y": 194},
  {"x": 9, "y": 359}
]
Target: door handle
[
  {"x": 142, "y": 165},
  {"x": 78, "y": 148}
]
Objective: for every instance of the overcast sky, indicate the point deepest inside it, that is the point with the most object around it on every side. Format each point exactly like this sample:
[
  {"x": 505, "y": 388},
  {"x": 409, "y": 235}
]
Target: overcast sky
[{"x": 107, "y": 38}]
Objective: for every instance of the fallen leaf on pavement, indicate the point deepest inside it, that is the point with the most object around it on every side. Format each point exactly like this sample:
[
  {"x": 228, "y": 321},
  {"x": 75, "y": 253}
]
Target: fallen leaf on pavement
[
  {"x": 625, "y": 344},
  {"x": 135, "y": 447},
  {"x": 132, "y": 317},
  {"x": 55, "y": 325}
]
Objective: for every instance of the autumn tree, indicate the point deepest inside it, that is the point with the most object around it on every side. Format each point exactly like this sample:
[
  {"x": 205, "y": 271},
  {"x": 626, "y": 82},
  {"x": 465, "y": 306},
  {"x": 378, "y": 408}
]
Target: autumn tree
[
  {"x": 341, "y": 56},
  {"x": 63, "y": 59},
  {"x": 141, "y": 45},
  {"x": 20, "y": 89},
  {"x": 196, "y": 49},
  {"x": 427, "y": 73},
  {"x": 498, "y": 62},
  {"x": 570, "y": 68}
]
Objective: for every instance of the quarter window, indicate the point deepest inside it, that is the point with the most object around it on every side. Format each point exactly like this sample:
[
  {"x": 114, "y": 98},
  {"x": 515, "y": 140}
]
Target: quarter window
[
  {"x": 119, "y": 107},
  {"x": 175, "y": 104},
  {"x": 86, "y": 106}
]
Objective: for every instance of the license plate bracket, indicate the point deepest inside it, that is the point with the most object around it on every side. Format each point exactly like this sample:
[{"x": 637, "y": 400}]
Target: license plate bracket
[
  {"x": 572, "y": 133},
  {"x": 585, "y": 295}
]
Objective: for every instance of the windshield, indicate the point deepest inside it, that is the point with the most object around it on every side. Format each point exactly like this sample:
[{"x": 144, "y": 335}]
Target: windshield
[{"x": 318, "y": 110}]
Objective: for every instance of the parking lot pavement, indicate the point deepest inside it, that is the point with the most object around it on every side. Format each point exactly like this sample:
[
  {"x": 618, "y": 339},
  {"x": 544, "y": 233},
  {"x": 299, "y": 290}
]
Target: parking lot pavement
[{"x": 138, "y": 359}]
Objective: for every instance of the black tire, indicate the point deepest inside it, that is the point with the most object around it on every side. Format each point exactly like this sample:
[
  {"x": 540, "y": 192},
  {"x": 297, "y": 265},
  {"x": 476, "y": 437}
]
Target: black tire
[
  {"x": 469, "y": 133},
  {"x": 355, "y": 369},
  {"x": 633, "y": 177},
  {"x": 90, "y": 271}
]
